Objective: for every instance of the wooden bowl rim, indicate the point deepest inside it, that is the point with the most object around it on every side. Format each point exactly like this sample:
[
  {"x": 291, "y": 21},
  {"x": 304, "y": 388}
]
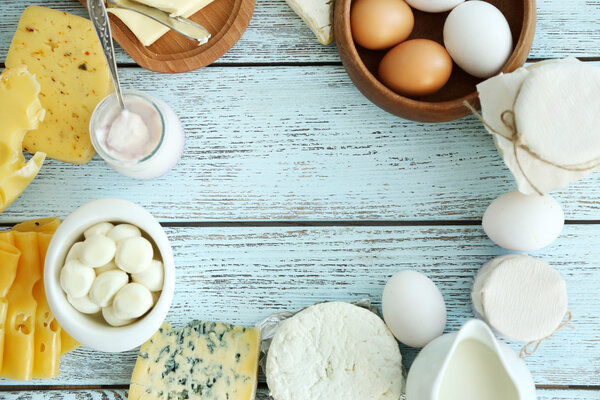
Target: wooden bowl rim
[{"x": 344, "y": 6}]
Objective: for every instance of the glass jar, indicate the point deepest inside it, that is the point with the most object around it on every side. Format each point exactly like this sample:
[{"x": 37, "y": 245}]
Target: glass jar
[{"x": 158, "y": 117}]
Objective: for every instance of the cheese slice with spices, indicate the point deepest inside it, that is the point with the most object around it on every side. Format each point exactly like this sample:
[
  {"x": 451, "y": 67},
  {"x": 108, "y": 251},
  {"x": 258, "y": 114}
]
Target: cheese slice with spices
[
  {"x": 146, "y": 29},
  {"x": 203, "y": 360},
  {"x": 318, "y": 15}
]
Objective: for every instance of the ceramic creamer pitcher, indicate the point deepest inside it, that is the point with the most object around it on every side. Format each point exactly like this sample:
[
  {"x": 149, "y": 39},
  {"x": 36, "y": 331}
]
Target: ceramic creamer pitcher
[{"x": 470, "y": 364}]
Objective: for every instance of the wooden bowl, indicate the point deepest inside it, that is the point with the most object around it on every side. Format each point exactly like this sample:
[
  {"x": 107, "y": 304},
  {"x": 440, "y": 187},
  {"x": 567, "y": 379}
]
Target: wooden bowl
[
  {"x": 226, "y": 20},
  {"x": 446, "y": 104}
]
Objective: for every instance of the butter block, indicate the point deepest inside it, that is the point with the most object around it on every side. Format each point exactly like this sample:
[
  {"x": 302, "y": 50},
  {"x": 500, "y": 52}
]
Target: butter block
[
  {"x": 20, "y": 111},
  {"x": 146, "y": 29},
  {"x": 62, "y": 50},
  {"x": 203, "y": 360}
]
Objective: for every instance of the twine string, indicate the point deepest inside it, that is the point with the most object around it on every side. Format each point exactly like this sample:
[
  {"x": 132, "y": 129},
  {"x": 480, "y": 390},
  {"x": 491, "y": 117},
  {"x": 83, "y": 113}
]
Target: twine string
[
  {"x": 536, "y": 343},
  {"x": 516, "y": 138}
]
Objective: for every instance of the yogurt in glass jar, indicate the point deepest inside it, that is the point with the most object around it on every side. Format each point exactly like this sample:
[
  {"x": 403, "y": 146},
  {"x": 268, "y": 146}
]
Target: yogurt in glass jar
[{"x": 144, "y": 142}]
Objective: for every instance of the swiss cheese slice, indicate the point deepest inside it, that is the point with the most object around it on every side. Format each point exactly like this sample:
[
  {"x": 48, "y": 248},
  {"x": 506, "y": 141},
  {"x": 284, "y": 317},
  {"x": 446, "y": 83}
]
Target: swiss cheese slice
[
  {"x": 318, "y": 15},
  {"x": 146, "y": 29},
  {"x": 62, "y": 50},
  {"x": 20, "y": 111},
  {"x": 19, "y": 339},
  {"x": 203, "y": 360}
]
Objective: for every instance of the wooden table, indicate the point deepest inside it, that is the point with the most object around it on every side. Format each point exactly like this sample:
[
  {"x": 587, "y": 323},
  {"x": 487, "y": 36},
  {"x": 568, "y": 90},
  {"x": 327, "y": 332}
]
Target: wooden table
[{"x": 295, "y": 189}]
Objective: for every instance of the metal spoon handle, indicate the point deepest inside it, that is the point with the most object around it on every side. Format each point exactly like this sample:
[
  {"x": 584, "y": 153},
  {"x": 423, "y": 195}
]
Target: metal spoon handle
[{"x": 101, "y": 23}]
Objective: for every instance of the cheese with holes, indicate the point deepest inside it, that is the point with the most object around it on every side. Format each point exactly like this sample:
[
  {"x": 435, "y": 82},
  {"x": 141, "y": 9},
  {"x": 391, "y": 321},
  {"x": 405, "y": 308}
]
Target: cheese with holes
[
  {"x": 43, "y": 225},
  {"x": 20, "y": 317},
  {"x": 20, "y": 111},
  {"x": 318, "y": 15},
  {"x": 203, "y": 360},
  {"x": 149, "y": 31},
  {"x": 62, "y": 50}
]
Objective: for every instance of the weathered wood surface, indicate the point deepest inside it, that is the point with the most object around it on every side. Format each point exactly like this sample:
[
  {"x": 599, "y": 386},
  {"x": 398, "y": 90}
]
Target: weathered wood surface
[
  {"x": 297, "y": 143},
  {"x": 276, "y": 34},
  {"x": 244, "y": 274},
  {"x": 262, "y": 394}
]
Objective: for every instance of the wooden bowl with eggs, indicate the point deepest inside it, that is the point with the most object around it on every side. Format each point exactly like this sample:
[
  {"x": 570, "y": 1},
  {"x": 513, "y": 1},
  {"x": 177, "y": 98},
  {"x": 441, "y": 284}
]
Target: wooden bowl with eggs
[{"x": 446, "y": 104}]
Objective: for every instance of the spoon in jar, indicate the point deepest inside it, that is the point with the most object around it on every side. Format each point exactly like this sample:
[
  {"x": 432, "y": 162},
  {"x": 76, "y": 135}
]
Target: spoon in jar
[{"x": 99, "y": 18}]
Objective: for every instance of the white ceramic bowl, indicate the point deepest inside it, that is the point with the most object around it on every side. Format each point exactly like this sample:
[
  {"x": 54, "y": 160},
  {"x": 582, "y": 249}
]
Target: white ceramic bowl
[{"x": 92, "y": 330}]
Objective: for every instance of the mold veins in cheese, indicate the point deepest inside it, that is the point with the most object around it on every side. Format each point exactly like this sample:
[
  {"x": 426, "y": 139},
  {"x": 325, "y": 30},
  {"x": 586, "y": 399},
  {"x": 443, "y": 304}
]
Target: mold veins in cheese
[
  {"x": 318, "y": 15},
  {"x": 63, "y": 52},
  {"x": 334, "y": 351},
  {"x": 149, "y": 31},
  {"x": 203, "y": 360},
  {"x": 20, "y": 111}
]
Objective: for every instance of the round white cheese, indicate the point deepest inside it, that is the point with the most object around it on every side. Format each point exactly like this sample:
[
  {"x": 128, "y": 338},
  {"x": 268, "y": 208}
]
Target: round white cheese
[
  {"x": 520, "y": 297},
  {"x": 334, "y": 351}
]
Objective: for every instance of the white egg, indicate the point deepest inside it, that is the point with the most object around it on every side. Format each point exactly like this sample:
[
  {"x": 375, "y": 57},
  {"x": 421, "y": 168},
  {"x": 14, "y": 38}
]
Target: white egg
[
  {"x": 521, "y": 222},
  {"x": 413, "y": 308},
  {"x": 478, "y": 38},
  {"x": 434, "y": 6}
]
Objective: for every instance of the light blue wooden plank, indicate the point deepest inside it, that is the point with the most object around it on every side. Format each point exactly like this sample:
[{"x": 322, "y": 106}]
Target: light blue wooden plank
[
  {"x": 276, "y": 34},
  {"x": 108, "y": 394},
  {"x": 242, "y": 275},
  {"x": 297, "y": 143}
]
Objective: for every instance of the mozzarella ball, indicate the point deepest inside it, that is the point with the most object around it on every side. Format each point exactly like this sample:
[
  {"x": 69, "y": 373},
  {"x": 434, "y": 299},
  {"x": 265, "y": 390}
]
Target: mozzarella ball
[
  {"x": 99, "y": 229},
  {"x": 83, "y": 304},
  {"x": 124, "y": 231},
  {"x": 74, "y": 251},
  {"x": 109, "y": 316},
  {"x": 151, "y": 277},
  {"x": 132, "y": 301},
  {"x": 106, "y": 285},
  {"x": 106, "y": 267},
  {"x": 134, "y": 254},
  {"x": 413, "y": 308},
  {"x": 76, "y": 278},
  {"x": 98, "y": 250}
]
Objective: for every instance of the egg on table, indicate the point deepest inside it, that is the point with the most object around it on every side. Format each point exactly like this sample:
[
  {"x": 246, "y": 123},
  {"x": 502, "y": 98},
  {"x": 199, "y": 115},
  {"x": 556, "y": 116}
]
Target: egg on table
[
  {"x": 380, "y": 24},
  {"x": 413, "y": 308},
  {"x": 417, "y": 67},
  {"x": 521, "y": 222},
  {"x": 478, "y": 37}
]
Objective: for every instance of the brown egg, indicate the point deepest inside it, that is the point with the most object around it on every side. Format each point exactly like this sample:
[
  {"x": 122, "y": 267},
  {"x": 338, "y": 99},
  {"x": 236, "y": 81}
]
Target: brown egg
[
  {"x": 380, "y": 24},
  {"x": 416, "y": 67}
]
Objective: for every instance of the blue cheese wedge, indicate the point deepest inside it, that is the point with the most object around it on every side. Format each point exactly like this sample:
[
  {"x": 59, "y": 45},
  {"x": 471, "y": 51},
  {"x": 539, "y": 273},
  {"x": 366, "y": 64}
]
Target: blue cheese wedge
[{"x": 203, "y": 360}]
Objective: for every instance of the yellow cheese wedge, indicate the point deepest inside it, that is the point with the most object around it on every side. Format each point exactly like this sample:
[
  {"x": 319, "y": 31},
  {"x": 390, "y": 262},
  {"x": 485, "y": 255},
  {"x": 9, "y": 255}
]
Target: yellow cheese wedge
[
  {"x": 47, "y": 329},
  {"x": 20, "y": 111},
  {"x": 43, "y": 225},
  {"x": 62, "y": 50},
  {"x": 149, "y": 31},
  {"x": 20, "y": 317}
]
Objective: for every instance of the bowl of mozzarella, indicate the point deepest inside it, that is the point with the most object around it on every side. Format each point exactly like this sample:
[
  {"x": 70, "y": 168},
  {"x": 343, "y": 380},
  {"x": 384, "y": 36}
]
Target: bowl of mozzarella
[{"x": 109, "y": 275}]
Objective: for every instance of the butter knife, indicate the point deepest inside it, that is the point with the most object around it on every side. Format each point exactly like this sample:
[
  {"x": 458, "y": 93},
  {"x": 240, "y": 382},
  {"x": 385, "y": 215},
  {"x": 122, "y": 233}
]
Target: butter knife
[{"x": 181, "y": 25}]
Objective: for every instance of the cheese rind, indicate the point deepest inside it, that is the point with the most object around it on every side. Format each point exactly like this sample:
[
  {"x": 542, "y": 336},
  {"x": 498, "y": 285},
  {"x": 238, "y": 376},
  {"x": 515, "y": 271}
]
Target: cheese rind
[
  {"x": 146, "y": 29},
  {"x": 62, "y": 50},
  {"x": 203, "y": 360}
]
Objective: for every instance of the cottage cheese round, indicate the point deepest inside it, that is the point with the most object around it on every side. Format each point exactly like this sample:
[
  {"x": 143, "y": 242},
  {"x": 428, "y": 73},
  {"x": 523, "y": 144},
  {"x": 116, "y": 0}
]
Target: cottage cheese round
[{"x": 334, "y": 351}]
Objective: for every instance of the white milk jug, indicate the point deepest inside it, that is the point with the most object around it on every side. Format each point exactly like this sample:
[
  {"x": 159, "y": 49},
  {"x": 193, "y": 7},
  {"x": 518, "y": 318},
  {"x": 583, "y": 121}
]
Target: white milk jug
[{"x": 470, "y": 364}]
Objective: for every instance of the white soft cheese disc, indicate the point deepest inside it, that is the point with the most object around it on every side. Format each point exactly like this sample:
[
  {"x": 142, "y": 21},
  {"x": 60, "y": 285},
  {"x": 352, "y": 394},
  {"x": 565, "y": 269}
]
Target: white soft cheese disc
[
  {"x": 558, "y": 112},
  {"x": 521, "y": 297},
  {"x": 334, "y": 351}
]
